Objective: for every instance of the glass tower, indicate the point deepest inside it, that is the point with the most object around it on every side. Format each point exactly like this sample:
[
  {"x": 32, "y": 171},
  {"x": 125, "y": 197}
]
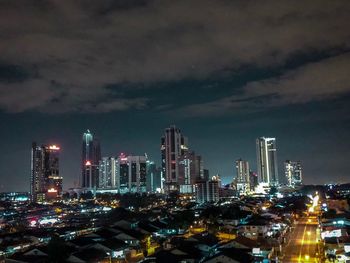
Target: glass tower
[
  {"x": 266, "y": 152},
  {"x": 91, "y": 156}
]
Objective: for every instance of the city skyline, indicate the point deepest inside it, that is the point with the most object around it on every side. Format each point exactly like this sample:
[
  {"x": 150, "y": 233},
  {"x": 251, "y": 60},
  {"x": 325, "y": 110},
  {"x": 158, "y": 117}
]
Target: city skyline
[
  {"x": 227, "y": 178},
  {"x": 227, "y": 73}
]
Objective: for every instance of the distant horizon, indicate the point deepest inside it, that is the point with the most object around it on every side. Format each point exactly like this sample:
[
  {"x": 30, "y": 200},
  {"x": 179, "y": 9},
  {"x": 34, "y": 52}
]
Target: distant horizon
[{"x": 65, "y": 190}]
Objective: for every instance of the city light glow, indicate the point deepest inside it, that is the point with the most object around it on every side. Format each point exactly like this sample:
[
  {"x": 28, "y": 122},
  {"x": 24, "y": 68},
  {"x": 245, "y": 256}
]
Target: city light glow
[{"x": 54, "y": 147}]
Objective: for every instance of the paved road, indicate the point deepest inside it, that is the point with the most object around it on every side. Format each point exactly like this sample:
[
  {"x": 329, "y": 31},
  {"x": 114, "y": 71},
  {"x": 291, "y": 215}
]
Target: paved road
[{"x": 302, "y": 245}]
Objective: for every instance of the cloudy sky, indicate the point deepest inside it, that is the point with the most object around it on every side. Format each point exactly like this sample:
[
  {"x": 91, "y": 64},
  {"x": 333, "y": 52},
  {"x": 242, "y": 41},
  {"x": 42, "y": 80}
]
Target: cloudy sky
[{"x": 224, "y": 71}]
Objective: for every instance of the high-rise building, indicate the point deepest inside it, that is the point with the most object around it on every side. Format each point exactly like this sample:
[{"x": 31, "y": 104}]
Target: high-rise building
[
  {"x": 253, "y": 180},
  {"x": 123, "y": 173},
  {"x": 91, "y": 156},
  {"x": 45, "y": 181},
  {"x": 242, "y": 176},
  {"x": 37, "y": 180},
  {"x": 131, "y": 174},
  {"x": 173, "y": 146},
  {"x": 190, "y": 171},
  {"x": 52, "y": 171},
  {"x": 205, "y": 174},
  {"x": 207, "y": 191},
  {"x": 267, "y": 161},
  {"x": 198, "y": 167},
  {"x": 153, "y": 178},
  {"x": 293, "y": 172},
  {"x": 107, "y": 173}
]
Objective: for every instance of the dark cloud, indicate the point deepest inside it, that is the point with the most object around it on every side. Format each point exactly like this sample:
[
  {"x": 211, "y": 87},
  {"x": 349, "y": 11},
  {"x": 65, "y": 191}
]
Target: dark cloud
[
  {"x": 328, "y": 78},
  {"x": 12, "y": 73},
  {"x": 68, "y": 52}
]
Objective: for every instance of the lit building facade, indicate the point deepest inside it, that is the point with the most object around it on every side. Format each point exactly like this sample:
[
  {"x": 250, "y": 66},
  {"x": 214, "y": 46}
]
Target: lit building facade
[
  {"x": 190, "y": 171},
  {"x": 266, "y": 152},
  {"x": 242, "y": 176},
  {"x": 107, "y": 173},
  {"x": 173, "y": 146},
  {"x": 91, "y": 156},
  {"x": 131, "y": 174},
  {"x": 52, "y": 171},
  {"x": 154, "y": 177},
  {"x": 45, "y": 180},
  {"x": 37, "y": 180},
  {"x": 293, "y": 172},
  {"x": 207, "y": 191}
]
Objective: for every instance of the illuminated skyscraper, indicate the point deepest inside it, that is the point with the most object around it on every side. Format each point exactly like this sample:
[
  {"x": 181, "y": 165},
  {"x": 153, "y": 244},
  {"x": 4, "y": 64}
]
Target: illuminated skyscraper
[
  {"x": 37, "y": 180},
  {"x": 173, "y": 146},
  {"x": 107, "y": 173},
  {"x": 52, "y": 171},
  {"x": 190, "y": 171},
  {"x": 293, "y": 172},
  {"x": 91, "y": 156},
  {"x": 242, "y": 176},
  {"x": 207, "y": 191},
  {"x": 45, "y": 181},
  {"x": 267, "y": 160},
  {"x": 131, "y": 174}
]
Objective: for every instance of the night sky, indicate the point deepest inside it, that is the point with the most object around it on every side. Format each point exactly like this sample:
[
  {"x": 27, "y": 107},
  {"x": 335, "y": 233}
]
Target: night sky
[{"x": 224, "y": 71}]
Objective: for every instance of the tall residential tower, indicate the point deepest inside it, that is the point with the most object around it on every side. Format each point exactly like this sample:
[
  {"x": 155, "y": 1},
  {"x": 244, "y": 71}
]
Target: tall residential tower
[
  {"x": 293, "y": 172},
  {"x": 242, "y": 176},
  {"x": 190, "y": 171},
  {"x": 37, "y": 178},
  {"x": 173, "y": 146},
  {"x": 52, "y": 170},
  {"x": 45, "y": 180},
  {"x": 107, "y": 173},
  {"x": 267, "y": 160}
]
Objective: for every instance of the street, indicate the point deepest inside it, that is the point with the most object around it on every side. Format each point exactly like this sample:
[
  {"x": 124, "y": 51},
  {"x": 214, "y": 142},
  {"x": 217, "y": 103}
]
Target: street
[{"x": 303, "y": 245}]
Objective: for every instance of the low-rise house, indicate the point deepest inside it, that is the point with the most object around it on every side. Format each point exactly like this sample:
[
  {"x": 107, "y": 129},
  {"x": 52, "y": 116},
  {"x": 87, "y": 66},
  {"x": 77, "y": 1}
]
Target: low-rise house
[
  {"x": 128, "y": 239},
  {"x": 36, "y": 255},
  {"x": 125, "y": 224},
  {"x": 256, "y": 227},
  {"x": 173, "y": 256},
  {"x": 338, "y": 221},
  {"x": 205, "y": 242},
  {"x": 230, "y": 256},
  {"x": 88, "y": 255},
  {"x": 115, "y": 247},
  {"x": 259, "y": 248}
]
